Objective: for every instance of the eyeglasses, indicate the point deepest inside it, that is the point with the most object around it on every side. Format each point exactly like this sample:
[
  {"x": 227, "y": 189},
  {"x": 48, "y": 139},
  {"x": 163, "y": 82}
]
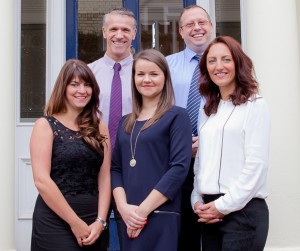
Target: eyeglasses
[{"x": 192, "y": 25}]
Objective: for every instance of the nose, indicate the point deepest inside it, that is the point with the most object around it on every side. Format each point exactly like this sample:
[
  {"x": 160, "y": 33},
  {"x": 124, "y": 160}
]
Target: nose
[
  {"x": 219, "y": 64},
  {"x": 146, "y": 78},
  {"x": 119, "y": 33},
  {"x": 81, "y": 88}
]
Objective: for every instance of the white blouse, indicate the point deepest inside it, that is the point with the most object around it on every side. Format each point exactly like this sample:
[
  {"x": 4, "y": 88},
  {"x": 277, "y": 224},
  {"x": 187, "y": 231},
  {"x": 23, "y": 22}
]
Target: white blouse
[{"x": 233, "y": 154}]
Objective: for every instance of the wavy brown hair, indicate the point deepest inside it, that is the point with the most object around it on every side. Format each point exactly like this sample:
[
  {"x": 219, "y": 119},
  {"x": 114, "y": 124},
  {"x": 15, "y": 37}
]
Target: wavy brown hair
[
  {"x": 88, "y": 120},
  {"x": 167, "y": 99},
  {"x": 246, "y": 83}
]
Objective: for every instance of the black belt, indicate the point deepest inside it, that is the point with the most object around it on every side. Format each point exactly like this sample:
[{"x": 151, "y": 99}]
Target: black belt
[{"x": 211, "y": 197}]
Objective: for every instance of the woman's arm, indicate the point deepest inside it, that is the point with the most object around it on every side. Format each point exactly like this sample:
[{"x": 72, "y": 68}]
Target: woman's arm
[
  {"x": 104, "y": 187},
  {"x": 41, "y": 152}
]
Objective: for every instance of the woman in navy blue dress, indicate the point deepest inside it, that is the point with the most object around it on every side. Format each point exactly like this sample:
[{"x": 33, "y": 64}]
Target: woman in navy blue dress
[{"x": 151, "y": 159}]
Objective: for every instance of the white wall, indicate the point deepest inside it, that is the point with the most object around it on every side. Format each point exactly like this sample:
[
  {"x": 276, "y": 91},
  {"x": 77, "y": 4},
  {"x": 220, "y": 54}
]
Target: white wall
[
  {"x": 7, "y": 125},
  {"x": 298, "y": 16},
  {"x": 272, "y": 43}
]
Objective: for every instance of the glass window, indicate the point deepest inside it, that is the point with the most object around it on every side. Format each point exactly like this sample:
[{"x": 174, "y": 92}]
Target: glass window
[
  {"x": 33, "y": 59},
  {"x": 91, "y": 44},
  {"x": 159, "y": 25},
  {"x": 228, "y": 21}
]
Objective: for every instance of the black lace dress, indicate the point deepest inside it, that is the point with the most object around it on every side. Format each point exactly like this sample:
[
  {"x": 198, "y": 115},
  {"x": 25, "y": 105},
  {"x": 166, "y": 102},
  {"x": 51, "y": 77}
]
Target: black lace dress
[{"x": 74, "y": 169}]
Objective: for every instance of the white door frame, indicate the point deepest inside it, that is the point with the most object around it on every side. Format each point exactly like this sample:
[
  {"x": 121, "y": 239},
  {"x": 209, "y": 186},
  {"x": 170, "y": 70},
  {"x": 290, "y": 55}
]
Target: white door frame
[{"x": 25, "y": 191}]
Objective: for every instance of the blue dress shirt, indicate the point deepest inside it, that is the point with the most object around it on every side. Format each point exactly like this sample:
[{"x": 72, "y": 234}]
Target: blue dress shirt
[{"x": 182, "y": 66}]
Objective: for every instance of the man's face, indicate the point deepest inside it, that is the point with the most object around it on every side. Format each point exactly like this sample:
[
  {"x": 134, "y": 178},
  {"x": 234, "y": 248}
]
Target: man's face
[
  {"x": 119, "y": 32},
  {"x": 195, "y": 29}
]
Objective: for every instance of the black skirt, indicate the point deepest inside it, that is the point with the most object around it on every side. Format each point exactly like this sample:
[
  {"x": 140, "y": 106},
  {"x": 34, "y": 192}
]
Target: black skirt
[{"x": 51, "y": 233}]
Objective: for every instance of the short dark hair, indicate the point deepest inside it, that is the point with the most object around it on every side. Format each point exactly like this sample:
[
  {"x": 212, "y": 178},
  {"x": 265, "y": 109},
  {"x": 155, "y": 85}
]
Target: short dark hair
[{"x": 120, "y": 11}]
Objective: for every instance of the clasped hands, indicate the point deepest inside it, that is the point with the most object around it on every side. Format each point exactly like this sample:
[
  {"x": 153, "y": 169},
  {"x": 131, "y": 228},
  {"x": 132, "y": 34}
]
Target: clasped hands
[
  {"x": 134, "y": 219},
  {"x": 86, "y": 234},
  {"x": 207, "y": 213}
]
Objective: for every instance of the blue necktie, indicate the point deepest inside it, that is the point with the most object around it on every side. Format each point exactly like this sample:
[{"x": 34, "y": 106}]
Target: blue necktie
[
  {"x": 194, "y": 98},
  {"x": 115, "y": 110}
]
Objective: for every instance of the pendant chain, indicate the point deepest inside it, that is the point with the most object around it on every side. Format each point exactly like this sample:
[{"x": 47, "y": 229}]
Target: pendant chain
[{"x": 133, "y": 160}]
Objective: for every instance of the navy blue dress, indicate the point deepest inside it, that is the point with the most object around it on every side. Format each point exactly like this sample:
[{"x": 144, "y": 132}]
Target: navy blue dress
[
  {"x": 163, "y": 154},
  {"x": 74, "y": 169}
]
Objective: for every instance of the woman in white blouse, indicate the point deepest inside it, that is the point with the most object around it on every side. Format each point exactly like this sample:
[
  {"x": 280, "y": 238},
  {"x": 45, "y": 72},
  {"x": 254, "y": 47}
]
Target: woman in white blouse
[{"x": 232, "y": 161}]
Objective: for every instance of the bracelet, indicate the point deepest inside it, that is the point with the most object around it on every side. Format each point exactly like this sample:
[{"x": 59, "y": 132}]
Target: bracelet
[{"x": 104, "y": 223}]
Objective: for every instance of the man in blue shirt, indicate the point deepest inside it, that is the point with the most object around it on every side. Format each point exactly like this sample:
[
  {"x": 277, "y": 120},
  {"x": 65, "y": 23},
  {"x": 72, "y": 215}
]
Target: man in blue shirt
[{"x": 195, "y": 28}]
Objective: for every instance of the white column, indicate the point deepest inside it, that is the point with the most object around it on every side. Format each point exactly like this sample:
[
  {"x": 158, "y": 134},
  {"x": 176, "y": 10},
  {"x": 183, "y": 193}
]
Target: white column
[
  {"x": 7, "y": 113},
  {"x": 272, "y": 43}
]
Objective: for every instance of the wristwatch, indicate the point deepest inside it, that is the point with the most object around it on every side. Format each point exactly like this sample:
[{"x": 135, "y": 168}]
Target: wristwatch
[{"x": 104, "y": 223}]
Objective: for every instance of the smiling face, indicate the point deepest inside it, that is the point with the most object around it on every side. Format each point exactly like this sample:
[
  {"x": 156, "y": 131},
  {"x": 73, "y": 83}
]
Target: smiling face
[
  {"x": 195, "y": 29},
  {"x": 221, "y": 69},
  {"x": 149, "y": 79},
  {"x": 119, "y": 31},
  {"x": 78, "y": 94}
]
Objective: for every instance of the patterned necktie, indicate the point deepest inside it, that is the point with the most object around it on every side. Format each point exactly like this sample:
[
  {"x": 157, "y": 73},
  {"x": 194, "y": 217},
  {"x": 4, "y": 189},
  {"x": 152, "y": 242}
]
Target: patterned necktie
[
  {"x": 115, "y": 110},
  {"x": 194, "y": 99}
]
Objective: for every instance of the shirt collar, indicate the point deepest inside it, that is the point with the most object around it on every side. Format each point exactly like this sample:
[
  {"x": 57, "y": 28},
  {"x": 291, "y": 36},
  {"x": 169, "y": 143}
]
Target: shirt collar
[
  {"x": 189, "y": 54},
  {"x": 109, "y": 61}
]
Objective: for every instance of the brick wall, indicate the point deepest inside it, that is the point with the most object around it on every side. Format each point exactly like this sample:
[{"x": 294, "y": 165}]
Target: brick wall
[{"x": 91, "y": 12}]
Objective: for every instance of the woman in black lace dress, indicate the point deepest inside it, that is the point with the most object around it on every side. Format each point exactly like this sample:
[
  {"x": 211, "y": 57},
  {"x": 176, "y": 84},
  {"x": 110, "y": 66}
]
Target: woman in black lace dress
[{"x": 70, "y": 154}]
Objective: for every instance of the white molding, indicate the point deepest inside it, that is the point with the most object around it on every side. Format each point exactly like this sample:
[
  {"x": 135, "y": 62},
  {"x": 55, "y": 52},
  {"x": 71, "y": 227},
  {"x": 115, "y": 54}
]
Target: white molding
[
  {"x": 209, "y": 6},
  {"x": 25, "y": 186},
  {"x": 56, "y": 41},
  {"x": 243, "y": 24},
  {"x": 17, "y": 56}
]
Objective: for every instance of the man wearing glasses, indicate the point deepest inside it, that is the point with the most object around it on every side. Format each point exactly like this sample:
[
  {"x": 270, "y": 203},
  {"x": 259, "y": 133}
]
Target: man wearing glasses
[{"x": 195, "y": 28}]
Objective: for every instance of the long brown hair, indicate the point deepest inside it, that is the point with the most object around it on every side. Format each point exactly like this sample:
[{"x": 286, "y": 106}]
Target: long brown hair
[
  {"x": 88, "y": 120},
  {"x": 167, "y": 99},
  {"x": 246, "y": 83}
]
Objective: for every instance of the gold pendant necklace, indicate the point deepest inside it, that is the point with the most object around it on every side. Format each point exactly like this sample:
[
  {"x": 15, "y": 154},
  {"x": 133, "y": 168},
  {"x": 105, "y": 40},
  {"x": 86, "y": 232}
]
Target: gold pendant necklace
[{"x": 132, "y": 162}]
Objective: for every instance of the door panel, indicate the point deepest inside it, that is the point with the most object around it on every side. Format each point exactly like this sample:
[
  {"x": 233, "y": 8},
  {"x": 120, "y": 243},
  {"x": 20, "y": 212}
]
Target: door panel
[
  {"x": 40, "y": 47},
  {"x": 159, "y": 25}
]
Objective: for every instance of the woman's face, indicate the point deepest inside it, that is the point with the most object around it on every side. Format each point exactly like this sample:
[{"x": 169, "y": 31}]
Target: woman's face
[
  {"x": 221, "y": 68},
  {"x": 78, "y": 94},
  {"x": 149, "y": 79}
]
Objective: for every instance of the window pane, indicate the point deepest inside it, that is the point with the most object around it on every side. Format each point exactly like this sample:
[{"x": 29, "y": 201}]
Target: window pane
[
  {"x": 91, "y": 44},
  {"x": 159, "y": 25},
  {"x": 33, "y": 59},
  {"x": 228, "y": 18}
]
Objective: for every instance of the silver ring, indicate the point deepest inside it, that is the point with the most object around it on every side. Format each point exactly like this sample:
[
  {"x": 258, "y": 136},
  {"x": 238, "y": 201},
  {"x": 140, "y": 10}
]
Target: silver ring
[{"x": 129, "y": 223}]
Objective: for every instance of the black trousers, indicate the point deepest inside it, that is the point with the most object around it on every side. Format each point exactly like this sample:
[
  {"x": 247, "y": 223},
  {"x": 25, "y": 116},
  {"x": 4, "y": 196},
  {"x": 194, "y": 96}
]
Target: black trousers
[
  {"x": 243, "y": 230},
  {"x": 190, "y": 233}
]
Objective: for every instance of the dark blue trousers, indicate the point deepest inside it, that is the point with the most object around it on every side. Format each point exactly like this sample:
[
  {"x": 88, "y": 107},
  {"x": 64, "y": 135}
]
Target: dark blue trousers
[{"x": 243, "y": 230}]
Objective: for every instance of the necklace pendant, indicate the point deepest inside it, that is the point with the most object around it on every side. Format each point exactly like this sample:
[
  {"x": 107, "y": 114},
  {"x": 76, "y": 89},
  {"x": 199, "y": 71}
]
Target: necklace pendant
[{"x": 132, "y": 162}]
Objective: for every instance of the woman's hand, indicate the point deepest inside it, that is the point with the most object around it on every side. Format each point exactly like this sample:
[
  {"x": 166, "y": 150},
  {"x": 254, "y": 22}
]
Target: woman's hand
[
  {"x": 81, "y": 231},
  {"x": 134, "y": 233},
  {"x": 208, "y": 213},
  {"x": 132, "y": 220},
  {"x": 96, "y": 228}
]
